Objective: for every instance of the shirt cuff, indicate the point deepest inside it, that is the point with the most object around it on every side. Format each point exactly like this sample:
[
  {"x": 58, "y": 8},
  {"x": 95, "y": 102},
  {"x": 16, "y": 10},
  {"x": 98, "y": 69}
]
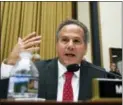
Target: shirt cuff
[{"x": 5, "y": 70}]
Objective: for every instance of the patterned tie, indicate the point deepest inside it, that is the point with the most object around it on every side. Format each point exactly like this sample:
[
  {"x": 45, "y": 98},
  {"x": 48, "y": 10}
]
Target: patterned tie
[{"x": 68, "y": 90}]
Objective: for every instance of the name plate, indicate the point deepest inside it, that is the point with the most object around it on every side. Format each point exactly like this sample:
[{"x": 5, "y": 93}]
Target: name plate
[{"x": 106, "y": 88}]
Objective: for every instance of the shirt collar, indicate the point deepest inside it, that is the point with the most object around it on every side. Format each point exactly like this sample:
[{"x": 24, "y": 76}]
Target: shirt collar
[{"x": 62, "y": 69}]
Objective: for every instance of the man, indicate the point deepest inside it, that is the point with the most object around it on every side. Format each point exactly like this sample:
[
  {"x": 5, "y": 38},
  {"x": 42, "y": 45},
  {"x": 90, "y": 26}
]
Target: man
[{"x": 71, "y": 46}]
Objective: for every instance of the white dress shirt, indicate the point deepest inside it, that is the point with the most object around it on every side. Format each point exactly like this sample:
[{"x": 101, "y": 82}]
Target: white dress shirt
[{"x": 61, "y": 80}]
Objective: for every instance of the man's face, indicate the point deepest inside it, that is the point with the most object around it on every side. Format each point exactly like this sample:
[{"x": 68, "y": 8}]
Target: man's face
[{"x": 70, "y": 45}]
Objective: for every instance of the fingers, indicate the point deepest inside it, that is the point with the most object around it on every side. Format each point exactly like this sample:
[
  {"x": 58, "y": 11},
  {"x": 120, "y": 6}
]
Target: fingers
[
  {"x": 29, "y": 36},
  {"x": 33, "y": 34},
  {"x": 33, "y": 49},
  {"x": 31, "y": 44},
  {"x": 36, "y": 38}
]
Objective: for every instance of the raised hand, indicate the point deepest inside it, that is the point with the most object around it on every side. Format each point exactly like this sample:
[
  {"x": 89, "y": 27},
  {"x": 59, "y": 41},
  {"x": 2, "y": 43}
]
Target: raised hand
[{"x": 29, "y": 43}]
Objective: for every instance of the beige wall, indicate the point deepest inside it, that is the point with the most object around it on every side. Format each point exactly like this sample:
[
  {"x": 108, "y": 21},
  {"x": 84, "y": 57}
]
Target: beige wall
[
  {"x": 110, "y": 22},
  {"x": 83, "y": 16},
  {"x": 110, "y": 27}
]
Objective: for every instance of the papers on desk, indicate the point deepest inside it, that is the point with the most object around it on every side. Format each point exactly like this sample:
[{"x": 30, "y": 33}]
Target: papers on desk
[{"x": 29, "y": 99}]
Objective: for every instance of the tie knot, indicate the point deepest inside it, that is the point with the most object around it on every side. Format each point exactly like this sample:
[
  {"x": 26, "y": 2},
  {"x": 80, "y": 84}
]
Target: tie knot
[{"x": 68, "y": 75}]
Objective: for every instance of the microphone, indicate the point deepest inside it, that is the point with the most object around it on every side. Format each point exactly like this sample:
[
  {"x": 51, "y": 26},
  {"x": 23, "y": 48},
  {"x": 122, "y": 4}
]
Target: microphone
[
  {"x": 109, "y": 74},
  {"x": 73, "y": 67},
  {"x": 112, "y": 75}
]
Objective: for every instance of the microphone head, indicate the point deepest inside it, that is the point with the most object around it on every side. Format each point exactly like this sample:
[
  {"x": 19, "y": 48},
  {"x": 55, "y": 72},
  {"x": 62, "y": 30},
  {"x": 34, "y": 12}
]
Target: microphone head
[{"x": 73, "y": 67}]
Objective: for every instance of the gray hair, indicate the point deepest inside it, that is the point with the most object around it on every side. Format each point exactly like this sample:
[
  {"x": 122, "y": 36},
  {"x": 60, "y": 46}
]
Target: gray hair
[{"x": 76, "y": 22}]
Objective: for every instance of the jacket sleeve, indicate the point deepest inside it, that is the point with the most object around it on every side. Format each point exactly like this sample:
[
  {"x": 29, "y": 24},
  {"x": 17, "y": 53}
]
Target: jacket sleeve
[{"x": 4, "y": 88}]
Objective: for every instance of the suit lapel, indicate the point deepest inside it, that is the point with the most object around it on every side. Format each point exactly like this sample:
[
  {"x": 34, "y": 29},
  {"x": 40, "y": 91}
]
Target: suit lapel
[
  {"x": 52, "y": 80},
  {"x": 83, "y": 81}
]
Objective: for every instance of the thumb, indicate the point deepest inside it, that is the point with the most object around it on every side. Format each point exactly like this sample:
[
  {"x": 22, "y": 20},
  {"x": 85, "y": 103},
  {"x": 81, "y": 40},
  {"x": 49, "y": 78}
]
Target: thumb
[{"x": 19, "y": 41}]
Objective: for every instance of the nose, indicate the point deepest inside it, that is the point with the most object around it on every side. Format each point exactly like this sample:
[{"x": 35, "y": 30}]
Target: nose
[{"x": 70, "y": 45}]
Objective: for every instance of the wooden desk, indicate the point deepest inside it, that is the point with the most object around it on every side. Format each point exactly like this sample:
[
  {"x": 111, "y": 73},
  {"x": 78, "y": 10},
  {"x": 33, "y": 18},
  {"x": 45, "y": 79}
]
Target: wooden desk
[{"x": 94, "y": 102}]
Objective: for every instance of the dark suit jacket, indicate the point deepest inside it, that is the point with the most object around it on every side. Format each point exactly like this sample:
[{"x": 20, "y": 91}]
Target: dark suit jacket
[{"x": 48, "y": 79}]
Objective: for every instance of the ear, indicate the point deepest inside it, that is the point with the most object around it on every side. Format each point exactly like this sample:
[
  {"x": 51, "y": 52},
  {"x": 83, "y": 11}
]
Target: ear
[
  {"x": 56, "y": 46},
  {"x": 86, "y": 47}
]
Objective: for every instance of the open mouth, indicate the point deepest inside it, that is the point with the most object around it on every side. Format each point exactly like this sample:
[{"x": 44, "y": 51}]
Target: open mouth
[{"x": 70, "y": 55}]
